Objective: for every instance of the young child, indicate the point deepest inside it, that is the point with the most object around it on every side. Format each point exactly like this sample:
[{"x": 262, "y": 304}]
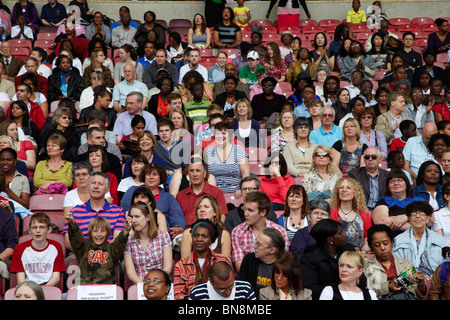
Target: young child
[
  {"x": 21, "y": 31},
  {"x": 356, "y": 16},
  {"x": 408, "y": 130},
  {"x": 242, "y": 14},
  {"x": 97, "y": 257},
  {"x": 196, "y": 109},
  {"x": 40, "y": 259},
  {"x": 396, "y": 159},
  {"x": 443, "y": 127}
]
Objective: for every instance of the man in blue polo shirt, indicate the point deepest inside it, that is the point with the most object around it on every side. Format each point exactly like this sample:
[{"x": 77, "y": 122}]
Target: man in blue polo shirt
[
  {"x": 53, "y": 13},
  {"x": 127, "y": 85},
  {"x": 96, "y": 207},
  {"x": 328, "y": 133}
]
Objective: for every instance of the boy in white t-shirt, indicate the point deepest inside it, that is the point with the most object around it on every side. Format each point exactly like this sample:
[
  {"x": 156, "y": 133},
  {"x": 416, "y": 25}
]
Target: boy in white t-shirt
[{"x": 39, "y": 259}]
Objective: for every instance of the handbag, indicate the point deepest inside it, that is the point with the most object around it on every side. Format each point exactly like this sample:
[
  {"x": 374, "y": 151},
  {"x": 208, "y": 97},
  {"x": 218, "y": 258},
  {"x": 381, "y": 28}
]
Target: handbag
[{"x": 402, "y": 295}]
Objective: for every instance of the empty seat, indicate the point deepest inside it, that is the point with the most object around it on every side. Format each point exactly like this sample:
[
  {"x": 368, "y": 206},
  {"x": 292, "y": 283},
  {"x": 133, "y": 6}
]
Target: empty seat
[
  {"x": 179, "y": 23},
  {"x": 47, "y": 203},
  {"x": 261, "y": 22},
  {"x": 292, "y": 29},
  {"x": 307, "y": 22},
  {"x": 46, "y": 36},
  {"x": 422, "y": 20},
  {"x": 329, "y": 22},
  {"x": 399, "y": 21}
]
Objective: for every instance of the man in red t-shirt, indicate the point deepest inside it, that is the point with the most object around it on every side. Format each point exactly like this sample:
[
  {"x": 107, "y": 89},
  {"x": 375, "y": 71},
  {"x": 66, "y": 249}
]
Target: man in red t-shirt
[{"x": 40, "y": 259}]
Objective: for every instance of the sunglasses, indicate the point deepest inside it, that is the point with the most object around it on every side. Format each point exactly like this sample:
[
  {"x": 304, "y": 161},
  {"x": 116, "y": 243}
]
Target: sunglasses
[
  {"x": 321, "y": 154},
  {"x": 370, "y": 156},
  {"x": 366, "y": 117}
]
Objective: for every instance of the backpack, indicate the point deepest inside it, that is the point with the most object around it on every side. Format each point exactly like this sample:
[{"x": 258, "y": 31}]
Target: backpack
[{"x": 443, "y": 275}]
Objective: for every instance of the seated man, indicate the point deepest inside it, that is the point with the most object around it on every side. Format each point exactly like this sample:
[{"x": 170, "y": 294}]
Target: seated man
[
  {"x": 429, "y": 58},
  {"x": 127, "y": 85},
  {"x": 236, "y": 215},
  {"x": 70, "y": 32},
  {"x": 384, "y": 30},
  {"x": 31, "y": 66},
  {"x": 42, "y": 69},
  {"x": 257, "y": 205},
  {"x": 161, "y": 62},
  {"x": 328, "y": 133},
  {"x": 371, "y": 177},
  {"x": 248, "y": 73},
  {"x": 21, "y": 31},
  {"x": 356, "y": 16},
  {"x": 53, "y": 13},
  {"x": 194, "y": 64},
  {"x": 415, "y": 149},
  {"x": 122, "y": 10},
  {"x": 411, "y": 59},
  {"x": 134, "y": 105},
  {"x": 95, "y": 136},
  {"x": 199, "y": 186},
  {"x": 12, "y": 64},
  {"x": 124, "y": 33},
  {"x": 219, "y": 87}
]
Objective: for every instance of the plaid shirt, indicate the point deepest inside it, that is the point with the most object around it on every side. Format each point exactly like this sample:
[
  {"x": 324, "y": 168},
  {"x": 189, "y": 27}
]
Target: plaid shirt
[
  {"x": 147, "y": 259},
  {"x": 184, "y": 278},
  {"x": 243, "y": 241},
  {"x": 274, "y": 71}
]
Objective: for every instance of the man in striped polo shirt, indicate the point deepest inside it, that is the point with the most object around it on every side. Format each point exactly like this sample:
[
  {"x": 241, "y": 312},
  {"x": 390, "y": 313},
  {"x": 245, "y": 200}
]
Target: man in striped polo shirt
[
  {"x": 97, "y": 207},
  {"x": 222, "y": 286}
]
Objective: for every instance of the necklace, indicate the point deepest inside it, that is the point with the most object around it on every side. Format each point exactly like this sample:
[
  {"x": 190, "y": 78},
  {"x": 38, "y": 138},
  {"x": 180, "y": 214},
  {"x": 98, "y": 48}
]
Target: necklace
[
  {"x": 295, "y": 226},
  {"x": 346, "y": 213}
]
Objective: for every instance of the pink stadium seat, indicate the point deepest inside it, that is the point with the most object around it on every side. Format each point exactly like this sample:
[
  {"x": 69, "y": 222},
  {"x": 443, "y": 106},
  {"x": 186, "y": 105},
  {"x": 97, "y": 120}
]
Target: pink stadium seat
[
  {"x": 230, "y": 198},
  {"x": 179, "y": 23},
  {"x": 72, "y": 292},
  {"x": 46, "y": 203},
  {"x": 206, "y": 53},
  {"x": 269, "y": 37},
  {"x": 441, "y": 57},
  {"x": 231, "y": 51},
  {"x": 285, "y": 86},
  {"x": 421, "y": 43},
  {"x": 163, "y": 23},
  {"x": 55, "y": 217},
  {"x": 50, "y": 293}
]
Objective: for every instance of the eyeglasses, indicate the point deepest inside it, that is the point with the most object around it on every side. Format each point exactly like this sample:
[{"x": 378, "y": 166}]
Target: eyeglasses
[
  {"x": 84, "y": 174},
  {"x": 393, "y": 181},
  {"x": 327, "y": 115},
  {"x": 35, "y": 228},
  {"x": 321, "y": 154},
  {"x": 154, "y": 281},
  {"x": 225, "y": 289},
  {"x": 420, "y": 214},
  {"x": 366, "y": 117},
  {"x": 370, "y": 156}
]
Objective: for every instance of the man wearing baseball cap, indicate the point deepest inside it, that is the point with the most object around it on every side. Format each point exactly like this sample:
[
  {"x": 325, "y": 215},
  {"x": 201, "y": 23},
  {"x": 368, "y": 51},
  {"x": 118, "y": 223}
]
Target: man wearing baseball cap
[{"x": 248, "y": 73}]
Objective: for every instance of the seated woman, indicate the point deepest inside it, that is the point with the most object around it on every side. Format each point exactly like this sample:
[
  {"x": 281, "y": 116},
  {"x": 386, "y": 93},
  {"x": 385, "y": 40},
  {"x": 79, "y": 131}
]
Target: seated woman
[
  {"x": 296, "y": 206},
  {"x": 149, "y": 247},
  {"x": 67, "y": 49},
  {"x": 204, "y": 233},
  {"x": 97, "y": 61},
  {"x": 277, "y": 181},
  {"x": 284, "y": 131},
  {"x": 65, "y": 81},
  {"x": 227, "y": 34},
  {"x": 347, "y": 153},
  {"x": 97, "y": 29},
  {"x": 102, "y": 101},
  {"x": 322, "y": 57},
  {"x": 298, "y": 153},
  {"x": 379, "y": 53},
  {"x": 97, "y": 44},
  {"x": 390, "y": 209},
  {"x": 55, "y": 169},
  {"x": 351, "y": 268},
  {"x": 153, "y": 176},
  {"x": 227, "y": 161},
  {"x": 380, "y": 239},
  {"x": 370, "y": 136},
  {"x": 81, "y": 174},
  {"x": 199, "y": 35},
  {"x": 158, "y": 104},
  {"x": 318, "y": 210},
  {"x": 60, "y": 122},
  {"x": 175, "y": 48},
  {"x": 439, "y": 40},
  {"x": 127, "y": 54},
  {"x": 228, "y": 99},
  {"x": 331, "y": 242},
  {"x": 420, "y": 245},
  {"x": 348, "y": 207},
  {"x": 189, "y": 78},
  {"x": 25, "y": 148},
  {"x": 87, "y": 95},
  {"x": 246, "y": 129},
  {"x": 429, "y": 184},
  {"x": 358, "y": 59},
  {"x": 268, "y": 102},
  {"x": 289, "y": 269},
  {"x": 343, "y": 52},
  {"x": 180, "y": 121},
  {"x": 146, "y": 143},
  {"x": 17, "y": 186},
  {"x": 217, "y": 72},
  {"x": 330, "y": 89},
  {"x": 274, "y": 63},
  {"x": 341, "y": 105},
  {"x": 207, "y": 207},
  {"x": 149, "y": 25},
  {"x": 96, "y": 156},
  {"x": 319, "y": 182},
  {"x": 7, "y": 142},
  {"x": 136, "y": 164},
  {"x": 292, "y": 56}
]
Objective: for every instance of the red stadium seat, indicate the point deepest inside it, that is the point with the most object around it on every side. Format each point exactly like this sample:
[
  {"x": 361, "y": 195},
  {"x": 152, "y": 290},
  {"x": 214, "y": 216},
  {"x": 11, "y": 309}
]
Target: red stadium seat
[
  {"x": 261, "y": 22},
  {"x": 408, "y": 27},
  {"x": 285, "y": 86},
  {"x": 421, "y": 43},
  {"x": 21, "y": 53},
  {"x": 269, "y": 29},
  {"x": 46, "y": 36},
  {"x": 420, "y": 34},
  {"x": 429, "y": 27},
  {"x": 441, "y": 57},
  {"x": 163, "y": 23},
  {"x": 269, "y": 37},
  {"x": 231, "y": 51},
  {"x": 206, "y": 52},
  {"x": 21, "y": 43},
  {"x": 307, "y": 22},
  {"x": 422, "y": 20},
  {"x": 361, "y": 36},
  {"x": 179, "y": 23},
  {"x": 399, "y": 21},
  {"x": 360, "y": 28},
  {"x": 292, "y": 29},
  {"x": 312, "y": 29},
  {"x": 329, "y": 23},
  {"x": 46, "y": 203}
]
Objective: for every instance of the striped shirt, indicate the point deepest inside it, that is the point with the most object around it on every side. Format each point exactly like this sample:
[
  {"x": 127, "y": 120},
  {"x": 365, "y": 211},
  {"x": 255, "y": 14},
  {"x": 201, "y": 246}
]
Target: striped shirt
[
  {"x": 242, "y": 291},
  {"x": 228, "y": 173},
  {"x": 197, "y": 111},
  {"x": 84, "y": 214},
  {"x": 122, "y": 35},
  {"x": 151, "y": 258}
]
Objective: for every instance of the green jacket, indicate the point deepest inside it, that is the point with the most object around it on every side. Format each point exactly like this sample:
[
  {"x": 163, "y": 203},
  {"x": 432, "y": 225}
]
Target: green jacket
[{"x": 96, "y": 262}]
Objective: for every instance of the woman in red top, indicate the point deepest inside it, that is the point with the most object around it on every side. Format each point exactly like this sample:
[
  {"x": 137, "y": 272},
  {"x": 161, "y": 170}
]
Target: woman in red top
[
  {"x": 158, "y": 104},
  {"x": 442, "y": 111},
  {"x": 348, "y": 206},
  {"x": 272, "y": 61}
]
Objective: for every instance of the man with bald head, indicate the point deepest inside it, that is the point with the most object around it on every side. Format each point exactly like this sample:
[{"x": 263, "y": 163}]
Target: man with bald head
[
  {"x": 129, "y": 84},
  {"x": 416, "y": 150},
  {"x": 230, "y": 70},
  {"x": 371, "y": 177}
]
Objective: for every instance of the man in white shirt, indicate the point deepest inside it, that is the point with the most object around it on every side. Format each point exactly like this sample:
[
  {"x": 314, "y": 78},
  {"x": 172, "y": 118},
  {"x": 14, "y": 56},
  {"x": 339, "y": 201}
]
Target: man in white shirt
[
  {"x": 40, "y": 55},
  {"x": 194, "y": 59},
  {"x": 21, "y": 31}
]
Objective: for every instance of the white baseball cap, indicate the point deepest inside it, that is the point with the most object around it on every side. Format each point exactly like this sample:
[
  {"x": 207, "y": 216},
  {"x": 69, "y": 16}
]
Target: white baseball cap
[{"x": 253, "y": 55}]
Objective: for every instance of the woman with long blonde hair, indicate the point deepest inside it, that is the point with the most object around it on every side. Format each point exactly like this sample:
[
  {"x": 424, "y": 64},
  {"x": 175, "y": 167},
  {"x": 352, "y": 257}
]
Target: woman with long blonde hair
[{"x": 348, "y": 206}]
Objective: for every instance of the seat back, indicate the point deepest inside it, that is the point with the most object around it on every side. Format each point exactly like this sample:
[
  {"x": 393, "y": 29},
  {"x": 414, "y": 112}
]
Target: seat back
[
  {"x": 50, "y": 293},
  {"x": 47, "y": 202},
  {"x": 72, "y": 293}
]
